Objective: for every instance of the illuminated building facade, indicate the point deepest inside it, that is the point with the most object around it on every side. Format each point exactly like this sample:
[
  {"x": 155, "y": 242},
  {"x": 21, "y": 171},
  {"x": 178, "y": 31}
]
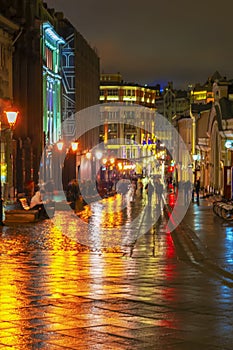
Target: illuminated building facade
[
  {"x": 114, "y": 89},
  {"x": 51, "y": 55},
  {"x": 203, "y": 94},
  {"x": 80, "y": 90},
  {"x": 40, "y": 79},
  {"x": 128, "y": 132},
  {"x": 121, "y": 136},
  {"x": 80, "y": 72},
  {"x": 28, "y": 86}
]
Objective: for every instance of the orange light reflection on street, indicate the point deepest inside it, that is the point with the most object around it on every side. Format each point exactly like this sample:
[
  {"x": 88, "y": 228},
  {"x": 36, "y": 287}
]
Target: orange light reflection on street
[
  {"x": 16, "y": 302},
  {"x": 112, "y": 216}
]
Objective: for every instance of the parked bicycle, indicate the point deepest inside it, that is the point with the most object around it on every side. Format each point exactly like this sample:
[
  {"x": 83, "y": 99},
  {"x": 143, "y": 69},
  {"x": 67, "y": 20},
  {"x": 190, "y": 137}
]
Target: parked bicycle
[{"x": 224, "y": 209}]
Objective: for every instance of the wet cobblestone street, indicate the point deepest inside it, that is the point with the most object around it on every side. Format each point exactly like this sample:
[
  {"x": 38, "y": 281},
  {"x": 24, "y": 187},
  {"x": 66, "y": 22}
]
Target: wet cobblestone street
[{"x": 59, "y": 294}]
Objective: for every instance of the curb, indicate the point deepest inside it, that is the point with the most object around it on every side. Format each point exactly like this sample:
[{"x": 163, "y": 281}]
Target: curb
[{"x": 191, "y": 249}]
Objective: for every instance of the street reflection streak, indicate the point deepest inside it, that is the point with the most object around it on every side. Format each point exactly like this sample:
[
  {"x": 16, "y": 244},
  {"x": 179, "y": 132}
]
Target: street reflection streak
[{"x": 16, "y": 302}]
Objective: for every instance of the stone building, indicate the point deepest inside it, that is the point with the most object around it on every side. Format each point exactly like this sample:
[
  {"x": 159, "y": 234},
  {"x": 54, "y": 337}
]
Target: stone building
[
  {"x": 114, "y": 89},
  {"x": 36, "y": 76},
  {"x": 80, "y": 90},
  {"x": 9, "y": 33}
]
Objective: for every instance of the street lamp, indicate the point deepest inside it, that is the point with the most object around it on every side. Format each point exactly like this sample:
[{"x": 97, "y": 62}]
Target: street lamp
[
  {"x": 59, "y": 145},
  {"x": 88, "y": 155},
  {"x": 72, "y": 171},
  {"x": 67, "y": 162},
  {"x": 11, "y": 119},
  {"x": 74, "y": 146}
]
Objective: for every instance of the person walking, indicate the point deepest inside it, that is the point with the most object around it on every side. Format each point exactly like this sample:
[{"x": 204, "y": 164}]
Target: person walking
[
  {"x": 197, "y": 189},
  {"x": 149, "y": 190},
  {"x": 131, "y": 192},
  {"x": 159, "y": 191},
  {"x": 140, "y": 185},
  {"x": 187, "y": 189}
]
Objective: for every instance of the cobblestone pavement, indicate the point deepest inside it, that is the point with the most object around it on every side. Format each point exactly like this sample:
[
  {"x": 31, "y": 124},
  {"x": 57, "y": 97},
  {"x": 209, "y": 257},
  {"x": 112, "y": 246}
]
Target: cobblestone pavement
[{"x": 160, "y": 293}]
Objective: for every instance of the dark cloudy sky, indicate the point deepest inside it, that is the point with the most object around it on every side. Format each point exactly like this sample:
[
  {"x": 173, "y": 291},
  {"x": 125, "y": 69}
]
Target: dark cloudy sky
[{"x": 155, "y": 41}]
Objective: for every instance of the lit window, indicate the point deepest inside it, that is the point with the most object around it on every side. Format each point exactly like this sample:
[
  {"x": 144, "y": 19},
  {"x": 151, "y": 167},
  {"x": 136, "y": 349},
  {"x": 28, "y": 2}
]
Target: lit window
[{"x": 49, "y": 58}]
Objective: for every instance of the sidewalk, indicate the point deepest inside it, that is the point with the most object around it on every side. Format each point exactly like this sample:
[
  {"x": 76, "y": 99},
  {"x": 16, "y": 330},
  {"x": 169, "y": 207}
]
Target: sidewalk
[{"x": 202, "y": 239}]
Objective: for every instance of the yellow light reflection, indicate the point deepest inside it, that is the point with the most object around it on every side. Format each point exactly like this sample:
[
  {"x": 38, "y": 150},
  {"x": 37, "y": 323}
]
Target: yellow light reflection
[
  {"x": 16, "y": 309},
  {"x": 112, "y": 215}
]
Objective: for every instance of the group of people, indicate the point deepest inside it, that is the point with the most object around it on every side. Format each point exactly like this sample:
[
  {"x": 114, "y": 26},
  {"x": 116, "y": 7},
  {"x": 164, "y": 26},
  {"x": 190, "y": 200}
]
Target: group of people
[
  {"x": 157, "y": 187},
  {"x": 132, "y": 187},
  {"x": 193, "y": 190}
]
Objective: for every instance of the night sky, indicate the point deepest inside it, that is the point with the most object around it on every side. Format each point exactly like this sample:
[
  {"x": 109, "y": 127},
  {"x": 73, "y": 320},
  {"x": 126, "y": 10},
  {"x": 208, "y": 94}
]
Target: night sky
[{"x": 153, "y": 41}]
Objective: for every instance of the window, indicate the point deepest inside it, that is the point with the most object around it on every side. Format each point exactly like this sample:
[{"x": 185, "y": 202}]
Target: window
[
  {"x": 113, "y": 92},
  {"x": 49, "y": 58},
  {"x": 2, "y": 56}
]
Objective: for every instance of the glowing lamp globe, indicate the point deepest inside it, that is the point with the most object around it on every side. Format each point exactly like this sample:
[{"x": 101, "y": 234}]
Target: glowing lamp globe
[
  {"x": 11, "y": 117},
  {"x": 60, "y": 145}
]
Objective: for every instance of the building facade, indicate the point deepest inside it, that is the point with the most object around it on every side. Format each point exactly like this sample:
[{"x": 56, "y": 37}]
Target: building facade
[
  {"x": 128, "y": 121},
  {"x": 80, "y": 90},
  {"x": 114, "y": 89},
  {"x": 39, "y": 75},
  {"x": 9, "y": 33},
  {"x": 28, "y": 85}
]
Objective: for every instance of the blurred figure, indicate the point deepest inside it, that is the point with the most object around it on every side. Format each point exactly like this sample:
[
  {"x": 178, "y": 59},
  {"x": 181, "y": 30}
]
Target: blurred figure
[
  {"x": 49, "y": 189},
  {"x": 149, "y": 190},
  {"x": 140, "y": 186},
  {"x": 122, "y": 186},
  {"x": 131, "y": 192},
  {"x": 197, "y": 189},
  {"x": 159, "y": 190},
  {"x": 73, "y": 193},
  {"x": 187, "y": 189}
]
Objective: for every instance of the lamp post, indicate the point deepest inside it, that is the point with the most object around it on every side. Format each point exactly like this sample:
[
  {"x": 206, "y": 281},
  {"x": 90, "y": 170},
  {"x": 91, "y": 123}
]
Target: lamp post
[
  {"x": 11, "y": 119},
  {"x": 69, "y": 162},
  {"x": 60, "y": 145},
  {"x": 74, "y": 149}
]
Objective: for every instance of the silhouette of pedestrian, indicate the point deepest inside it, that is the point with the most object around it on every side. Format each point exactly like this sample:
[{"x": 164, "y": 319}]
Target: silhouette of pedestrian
[
  {"x": 187, "y": 188},
  {"x": 159, "y": 191},
  {"x": 140, "y": 185},
  {"x": 197, "y": 189},
  {"x": 149, "y": 190}
]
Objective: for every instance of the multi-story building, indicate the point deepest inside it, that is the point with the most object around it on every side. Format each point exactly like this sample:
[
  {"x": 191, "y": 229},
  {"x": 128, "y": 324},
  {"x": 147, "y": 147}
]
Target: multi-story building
[
  {"x": 207, "y": 131},
  {"x": 172, "y": 102},
  {"x": 9, "y": 32},
  {"x": 80, "y": 90},
  {"x": 114, "y": 89},
  {"x": 39, "y": 81},
  {"x": 220, "y": 133},
  {"x": 174, "y": 106},
  {"x": 28, "y": 85},
  {"x": 127, "y": 127},
  {"x": 203, "y": 93}
]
